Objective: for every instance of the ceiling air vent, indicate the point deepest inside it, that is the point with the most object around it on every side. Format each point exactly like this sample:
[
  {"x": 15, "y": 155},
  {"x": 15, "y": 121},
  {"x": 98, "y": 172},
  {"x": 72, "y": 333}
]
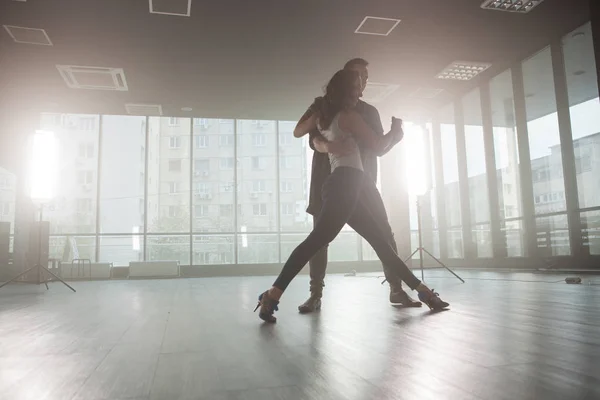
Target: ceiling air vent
[
  {"x": 181, "y": 8},
  {"x": 426, "y": 93},
  {"x": 376, "y": 92},
  {"x": 153, "y": 110},
  {"x": 377, "y": 26},
  {"x": 94, "y": 78},
  {"x": 517, "y": 6},
  {"x": 28, "y": 35}
]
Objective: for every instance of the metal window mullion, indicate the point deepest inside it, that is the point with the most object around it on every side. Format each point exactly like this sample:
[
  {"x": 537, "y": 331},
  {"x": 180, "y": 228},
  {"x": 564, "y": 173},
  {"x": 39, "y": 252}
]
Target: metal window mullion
[
  {"x": 438, "y": 167},
  {"x": 146, "y": 156},
  {"x": 277, "y": 191},
  {"x": 98, "y": 176},
  {"x": 235, "y": 191},
  {"x": 191, "y": 191},
  {"x": 463, "y": 181},
  {"x": 566, "y": 147},
  {"x": 498, "y": 239},
  {"x": 529, "y": 225}
]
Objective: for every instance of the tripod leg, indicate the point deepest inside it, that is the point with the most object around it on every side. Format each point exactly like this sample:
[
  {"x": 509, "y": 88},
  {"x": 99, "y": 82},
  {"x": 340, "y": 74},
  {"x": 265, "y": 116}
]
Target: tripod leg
[
  {"x": 18, "y": 276},
  {"x": 443, "y": 265},
  {"x": 57, "y": 278},
  {"x": 409, "y": 257}
]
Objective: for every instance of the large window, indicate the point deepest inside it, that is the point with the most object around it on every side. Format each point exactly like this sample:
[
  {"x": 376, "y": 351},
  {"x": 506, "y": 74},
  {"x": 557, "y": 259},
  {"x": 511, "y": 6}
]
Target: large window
[
  {"x": 73, "y": 211},
  {"x": 122, "y": 182},
  {"x": 584, "y": 107},
  {"x": 8, "y": 194},
  {"x": 451, "y": 185},
  {"x": 476, "y": 174},
  {"x": 196, "y": 190},
  {"x": 506, "y": 152},
  {"x": 169, "y": 189},
  {"x": 545, "y": 153}
]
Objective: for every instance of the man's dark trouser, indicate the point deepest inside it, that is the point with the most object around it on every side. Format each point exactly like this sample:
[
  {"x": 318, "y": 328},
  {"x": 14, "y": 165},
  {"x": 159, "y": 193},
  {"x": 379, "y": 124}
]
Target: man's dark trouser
[
  {"x": 347, "y": 196},
  {"x": 318, "y": 263}
]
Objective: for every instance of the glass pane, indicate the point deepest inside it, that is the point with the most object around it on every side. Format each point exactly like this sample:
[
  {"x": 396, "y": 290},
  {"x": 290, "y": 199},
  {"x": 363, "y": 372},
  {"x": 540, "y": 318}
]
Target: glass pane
[
  {"x": 544, "y": 137},
  {"x": 294, "y": 182},
  {"x": 582, "y": 86},
  {"x": 168, "y": 176},
  {"x": 258, "y": 249},
  {"x": 289, "y": 243},
  {"x": 344, "y": 247},
  {"x": 168, "y": 248},
  {"x": 213, "y": 249},
  {"x": 476, "y": 172},
  {"x": 590, "y": 230},
  {"x": 455, "y": 243},
  {"x": 482, "y": 237},
  {"x": 8, "y": 193},
  {"x": 74, "y": 208},
  {"x": 121, "y": 250},
  {"x": 368, "y": 254},
  {"x": 122, "y": 176},
  {"x": 257, "y": 184},
  {"x": 450, "y": 167},
  {"x": 506, "y": 146},
  {"x": 213, "y": 187},
  {"x": 514, "y": 236},
  {"x": 68, "y": 248},
  {"x": 553, "y": 236}
]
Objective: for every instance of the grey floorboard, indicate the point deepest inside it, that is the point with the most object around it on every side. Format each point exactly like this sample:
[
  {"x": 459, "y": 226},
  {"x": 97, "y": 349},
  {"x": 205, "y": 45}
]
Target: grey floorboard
[{"x": 507, "y": 336}]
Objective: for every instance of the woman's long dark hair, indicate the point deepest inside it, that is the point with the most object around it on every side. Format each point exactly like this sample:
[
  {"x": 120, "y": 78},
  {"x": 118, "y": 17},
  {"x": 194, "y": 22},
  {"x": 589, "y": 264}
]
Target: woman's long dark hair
[{"x": 338, "y": 92}]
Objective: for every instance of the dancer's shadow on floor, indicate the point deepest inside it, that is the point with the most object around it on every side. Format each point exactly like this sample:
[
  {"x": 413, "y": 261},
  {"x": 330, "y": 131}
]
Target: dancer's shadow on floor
[{"x": 409, "y": 320}]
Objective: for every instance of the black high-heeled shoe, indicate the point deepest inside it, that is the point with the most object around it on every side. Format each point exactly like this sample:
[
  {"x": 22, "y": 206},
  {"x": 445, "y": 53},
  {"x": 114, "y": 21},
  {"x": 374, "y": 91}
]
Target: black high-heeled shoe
[
  {"x": 432, "y": 300},
  {"x": 268, "y": 306}
]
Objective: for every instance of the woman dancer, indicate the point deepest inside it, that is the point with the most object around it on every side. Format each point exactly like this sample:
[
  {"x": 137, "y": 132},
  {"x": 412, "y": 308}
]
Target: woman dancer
[{"x": 342, "y": 192}]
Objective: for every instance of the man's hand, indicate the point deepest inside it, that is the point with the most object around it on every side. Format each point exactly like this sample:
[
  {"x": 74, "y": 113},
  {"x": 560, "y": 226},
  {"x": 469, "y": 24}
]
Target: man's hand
[
  {"x": 397, "y": 129},
  {"x": 338, "y": 147}
]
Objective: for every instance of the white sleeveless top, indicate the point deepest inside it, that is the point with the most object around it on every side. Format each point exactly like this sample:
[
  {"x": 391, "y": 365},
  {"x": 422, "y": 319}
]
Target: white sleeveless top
[{"x": 352, "y": 159}]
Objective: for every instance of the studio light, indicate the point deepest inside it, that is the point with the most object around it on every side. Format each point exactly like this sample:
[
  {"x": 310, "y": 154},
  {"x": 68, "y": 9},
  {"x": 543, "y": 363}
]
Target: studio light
[
  {"x": 415, "y": 172},
  {"x": 43, "y": 174},
  {"x": 419, "y": 185},
  {"x": 43, "y": 166}
]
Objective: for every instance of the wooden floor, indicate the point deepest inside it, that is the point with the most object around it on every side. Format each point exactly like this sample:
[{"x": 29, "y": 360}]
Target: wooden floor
[{"x": 198, "y": 339}]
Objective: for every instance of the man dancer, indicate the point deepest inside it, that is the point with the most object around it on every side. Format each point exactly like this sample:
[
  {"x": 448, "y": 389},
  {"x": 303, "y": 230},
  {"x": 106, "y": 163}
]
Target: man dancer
[{"x": 321, "y": 170}]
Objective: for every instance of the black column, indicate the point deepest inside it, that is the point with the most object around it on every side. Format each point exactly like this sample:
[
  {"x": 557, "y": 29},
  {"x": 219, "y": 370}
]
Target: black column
[
  {"x": 595, "y": 18},
  {"x": 529, "y": 226},
  {"x": 469, "y": 248},
  {"x": 566, "y": 146},
  {"x": 498, "y": 240},
  {"x": 438, "y": 169}
]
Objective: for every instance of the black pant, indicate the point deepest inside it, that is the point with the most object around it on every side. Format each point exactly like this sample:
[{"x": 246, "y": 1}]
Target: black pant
[
  {"x": 345, "y": 197},
  {"x": 372, "y": 200}
]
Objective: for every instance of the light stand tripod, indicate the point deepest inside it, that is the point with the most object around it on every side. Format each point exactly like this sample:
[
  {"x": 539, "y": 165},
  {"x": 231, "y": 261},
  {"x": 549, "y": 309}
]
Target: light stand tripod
[
  {"x": 422, "y": 249},
  {"x": 38, "y": 267}
]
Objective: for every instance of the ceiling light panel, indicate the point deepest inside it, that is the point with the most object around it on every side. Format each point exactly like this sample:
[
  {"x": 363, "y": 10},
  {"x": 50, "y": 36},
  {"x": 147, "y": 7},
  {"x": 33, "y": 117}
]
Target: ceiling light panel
[
  {"x": 462, "y": 70},
  {"x": 517, "y": 6}
]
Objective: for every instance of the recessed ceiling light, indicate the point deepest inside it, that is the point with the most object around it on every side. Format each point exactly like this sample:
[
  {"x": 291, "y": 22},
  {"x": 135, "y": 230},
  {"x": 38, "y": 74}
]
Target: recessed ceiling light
[
  {"x": 463, "y": 70},
  {"x": 186, "y": 109},
  {"x": 518, "y": 6}
]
